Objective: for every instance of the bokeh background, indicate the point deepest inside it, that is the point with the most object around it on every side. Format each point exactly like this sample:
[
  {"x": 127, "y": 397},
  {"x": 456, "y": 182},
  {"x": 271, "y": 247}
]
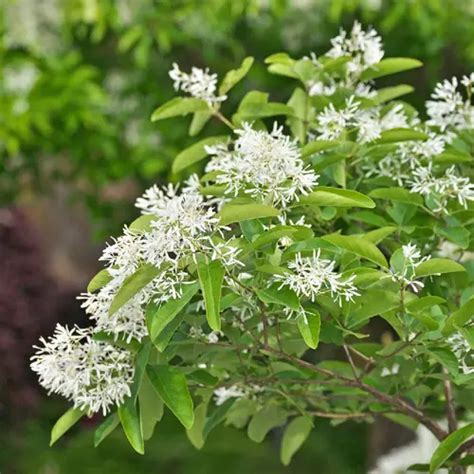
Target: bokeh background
[{"x": 78, "y": 82}]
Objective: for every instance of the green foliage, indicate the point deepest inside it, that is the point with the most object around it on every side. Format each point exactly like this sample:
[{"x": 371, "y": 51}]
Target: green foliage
[{"x": 317, "y": 263}]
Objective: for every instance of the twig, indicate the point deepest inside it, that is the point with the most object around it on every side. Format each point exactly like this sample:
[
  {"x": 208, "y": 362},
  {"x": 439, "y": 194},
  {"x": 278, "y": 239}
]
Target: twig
[
  {"x": 450, "y": 409},
  {"x": 401, "y": 405},
  {"x": 351, "y": 362}
]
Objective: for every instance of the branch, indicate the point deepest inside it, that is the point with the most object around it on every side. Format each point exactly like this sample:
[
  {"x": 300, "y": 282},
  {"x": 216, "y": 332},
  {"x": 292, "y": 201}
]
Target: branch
[
  {"x": 398, "y": 403},
  {"x": 450, "y": 409}
]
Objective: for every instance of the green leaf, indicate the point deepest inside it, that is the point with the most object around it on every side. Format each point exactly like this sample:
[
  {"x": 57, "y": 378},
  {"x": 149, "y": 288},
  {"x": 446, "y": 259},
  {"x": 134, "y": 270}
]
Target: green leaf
[
  {"x": 389, "y": 93},
  {"x": 151, "y": 408},
  {"x": 211, "y": 276},
  {"x": 281, "y": 296},
  {"x": 195, "y": 433},
  {"x": 179, "y": 106},
  {"x": 99, "y": 280},
  {"x": 141, "y": 361},
  {"x": 423, "y": 303},
  {"x": 426, "y": 320},
  {"x": 295, "y": 232},
  {"x": 198, "y": 121},
  {"x": 235, "y": 75},
  {"x": 336, "y": 197},
  {"x": 255, "y": 105},
  {"x": 373, "y": 303},
  {"x": 318, "y": 146},
  {"x": 132, "y": 285},
  {"x": 159, "y": 316},
  {"x": 217, "y": 416},
  {"x": 359, "y": 246},
  {"x": 378, "y": 235},
  {"x": 142, "y": 223},
  {"x": 195, "y": 153},
  {"x": 459, "y": 318},
  {"x": 437, "y": 266},
  {"x": 65, "y": 422},
  {"x": 170, "y": 383},
  {"x": 280, "y": 58},
  {"x": 164, "y": 338},
  {"x": 390, "y": 66},
  {"x": 447, "y": 359},
  {"x": 105, "y": 428},
  {"x": 396, "y": 135},
  {"x": 231, "y": 213},
  {"x": 131, "y": 424},
  {"x": 449, "y": 445},
  {"x": 269, "y": 417},
  {"x": 397, "y": 195},
  {"x": 310, "y": 327},
  {"x": 295, "y": 435}
]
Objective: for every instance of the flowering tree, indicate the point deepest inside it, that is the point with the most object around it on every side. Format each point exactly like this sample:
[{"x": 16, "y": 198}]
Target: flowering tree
[{"x": 246, "y": 296}]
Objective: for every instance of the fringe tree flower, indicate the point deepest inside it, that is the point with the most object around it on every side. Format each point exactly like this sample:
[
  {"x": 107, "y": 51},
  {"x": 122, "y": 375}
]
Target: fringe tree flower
[
  {"x": 127, "y": 322},
  {"x": 365, "y": 48},
  {"x": 448, "y": 108},
  {"x": 332, "y": 123},
  {"x": 222, "y": 394},
  {"x": 464, "y": 353},
  {"x": 94, "y": 375},
  {"x": 314, "y": 275},
  {"x": 406, "y": 269},
  {"x": 264, "y": 165},
  {"x": 449, "y": 186},
  {"x": 199, "y": 83}
]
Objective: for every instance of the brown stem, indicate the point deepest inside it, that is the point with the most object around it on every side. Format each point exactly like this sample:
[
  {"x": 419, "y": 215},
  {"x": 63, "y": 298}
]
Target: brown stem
[
  {"x": 351, "y": 362},
  {"x": 450, "y": 408},
  {"x": 396, "y": 402},
  {"x": 223, "y": 119}
]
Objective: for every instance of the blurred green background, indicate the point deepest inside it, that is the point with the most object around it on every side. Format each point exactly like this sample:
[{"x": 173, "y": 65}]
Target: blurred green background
[{"x": 78, "y": 82}]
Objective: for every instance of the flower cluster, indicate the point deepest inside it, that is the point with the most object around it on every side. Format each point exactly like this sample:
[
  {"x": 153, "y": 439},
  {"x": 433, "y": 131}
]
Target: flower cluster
[
  {"x": 332, "y": 123},
  {"x": 312, "y": 276},
  {"x": 405, "y": 272},
  {"x": 441, "y": 189},
  {"x": 222, "y": 394},
  {"x": 464, "y": 353},
  {"x": 94, "y": 375},
  {"x": 361, "y": 50},
  {"x": 448, "y": 109},
  {"x": 266, "y": 166},
  {"x": 364, "y": 47},
  {"x": 199, "y": 83},
  {"x": 180, "y": 227}
]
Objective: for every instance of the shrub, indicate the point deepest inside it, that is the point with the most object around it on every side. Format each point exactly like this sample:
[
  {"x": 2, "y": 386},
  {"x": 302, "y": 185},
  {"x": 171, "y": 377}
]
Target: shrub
[{"x": 247, "y": 295}]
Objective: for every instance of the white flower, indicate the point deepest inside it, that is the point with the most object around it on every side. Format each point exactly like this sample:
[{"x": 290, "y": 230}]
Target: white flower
[
  {"x": 365, "y": 48},
  {"x": 94, "y": 375},
  {"x": 407, "y": 273},
  {"x": 387, "y": 371},
  {"x": 314, "y": 275},
  {"x": 441, "y": 189},
  {"x": 127, "y": 322},
  {"x": 468, "y": 82},
  {"x": 266, "y": 166},
  {"x": 369, "y": 122},
  {"x": 214, "y": 336},
  {"x": 448, "y": 109},
  {"x": 199, "y": 84},
  {"x": 222, "y": 394},
  {"x": 464, "y": 353},
  {"x": 124, "y": 255}
]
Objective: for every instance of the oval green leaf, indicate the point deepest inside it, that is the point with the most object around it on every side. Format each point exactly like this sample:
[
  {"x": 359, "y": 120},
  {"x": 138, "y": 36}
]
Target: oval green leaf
[{"x": 170, "y": 384}]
